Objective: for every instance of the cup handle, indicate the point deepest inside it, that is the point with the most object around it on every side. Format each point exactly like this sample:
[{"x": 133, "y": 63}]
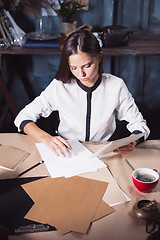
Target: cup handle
[{"x": 155, "y": 170}]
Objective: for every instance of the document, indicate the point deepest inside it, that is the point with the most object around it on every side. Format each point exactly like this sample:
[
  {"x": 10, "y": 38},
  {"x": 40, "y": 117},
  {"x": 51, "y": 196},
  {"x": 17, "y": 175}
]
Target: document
[
  {"x": 11, "y": 158},
  {"x": 78, "y": 161},
  {"x": 111, "y": 146}
]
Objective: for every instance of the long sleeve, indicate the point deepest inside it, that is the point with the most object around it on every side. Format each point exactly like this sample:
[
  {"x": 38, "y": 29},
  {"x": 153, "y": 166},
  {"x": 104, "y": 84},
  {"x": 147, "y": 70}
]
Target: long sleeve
[
  {"x": 128, "y": 110},
  {"x": 40, "y": 107}
]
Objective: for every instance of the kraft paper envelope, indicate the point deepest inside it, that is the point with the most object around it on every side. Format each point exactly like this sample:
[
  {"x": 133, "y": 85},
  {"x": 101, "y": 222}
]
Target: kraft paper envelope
[
  {"x": 36, "y": 188},
  {"x": 102, "y": 210},
  {"x": 26, "y": 144},
  {"x": 113, "y": 194},
  {"x": 69, "y": 203},
  {"x": 11, "y": 157}
]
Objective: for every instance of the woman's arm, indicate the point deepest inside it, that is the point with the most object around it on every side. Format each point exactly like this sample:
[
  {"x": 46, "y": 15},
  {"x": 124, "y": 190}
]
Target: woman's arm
[
  {"x": 56, "y": 143},
  {"x": 127, "y": 110}
]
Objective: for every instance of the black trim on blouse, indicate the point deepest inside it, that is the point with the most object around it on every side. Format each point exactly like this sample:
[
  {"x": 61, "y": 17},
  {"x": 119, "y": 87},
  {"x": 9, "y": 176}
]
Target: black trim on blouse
[
  {"x": 89, "y": 91},
  {"x": 23, "y": 124},
  {"x": 140, "y": 139}
]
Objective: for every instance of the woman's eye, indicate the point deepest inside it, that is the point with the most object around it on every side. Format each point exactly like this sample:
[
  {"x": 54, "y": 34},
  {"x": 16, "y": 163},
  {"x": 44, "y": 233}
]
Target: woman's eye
[
  {"x": 73, "y": 68},
  {"x": 88, "y": 65}
]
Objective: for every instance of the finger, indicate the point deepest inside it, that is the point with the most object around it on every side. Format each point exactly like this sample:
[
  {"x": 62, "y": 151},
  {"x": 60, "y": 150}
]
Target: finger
[
  {"x": 53, "y": 150},
  {"x": 60, "y": 144},
  {"x": 124, "y": 152},
  {"x": 133, "y": 144},
  {"x": 125, "y": 149},
  {"x": 66, "y": 143},
  {"x": 122, "y": 149},
  {"x": 63, "y": 144},
  {"x": 130, "y": 146},
  {"x": 56, "y": 149}
]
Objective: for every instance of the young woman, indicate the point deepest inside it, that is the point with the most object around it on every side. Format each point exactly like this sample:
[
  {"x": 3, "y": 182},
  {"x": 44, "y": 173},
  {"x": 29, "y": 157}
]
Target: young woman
[{"x": 86, "y": 98}]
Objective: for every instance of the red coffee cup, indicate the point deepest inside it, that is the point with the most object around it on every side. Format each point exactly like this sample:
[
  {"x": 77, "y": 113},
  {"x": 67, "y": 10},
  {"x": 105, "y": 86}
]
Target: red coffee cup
[{"x": 145, "y": 179}]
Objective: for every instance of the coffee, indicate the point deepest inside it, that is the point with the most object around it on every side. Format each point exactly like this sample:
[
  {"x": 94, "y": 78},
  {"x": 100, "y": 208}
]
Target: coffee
[{"x": 145, "y": 177}]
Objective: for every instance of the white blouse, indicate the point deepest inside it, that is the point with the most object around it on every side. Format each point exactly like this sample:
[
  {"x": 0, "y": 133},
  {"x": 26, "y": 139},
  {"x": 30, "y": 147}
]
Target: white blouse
[{"x": 86, "y": 113}]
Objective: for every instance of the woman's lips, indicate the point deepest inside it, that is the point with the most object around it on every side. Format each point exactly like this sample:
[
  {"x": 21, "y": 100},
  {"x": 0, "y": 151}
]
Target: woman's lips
[{"x": 84, "y": 79}]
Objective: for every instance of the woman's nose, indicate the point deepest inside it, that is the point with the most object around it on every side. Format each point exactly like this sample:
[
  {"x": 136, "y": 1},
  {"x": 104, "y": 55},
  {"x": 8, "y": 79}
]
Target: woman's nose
[{"x": 82, "y": 73}]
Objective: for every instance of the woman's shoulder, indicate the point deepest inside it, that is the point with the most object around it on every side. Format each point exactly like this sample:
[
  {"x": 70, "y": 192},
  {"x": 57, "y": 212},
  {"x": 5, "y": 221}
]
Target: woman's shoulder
[
  {"x": 56, "y": 82},
  {"x": 58, "y": 86},
  {"x": 111, "y": 79}
]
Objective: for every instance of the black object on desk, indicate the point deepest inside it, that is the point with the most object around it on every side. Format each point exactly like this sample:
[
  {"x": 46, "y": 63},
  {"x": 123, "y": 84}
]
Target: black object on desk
[
  {"x": 14, "y": 205},
  {"x": 27, "y": 170}
]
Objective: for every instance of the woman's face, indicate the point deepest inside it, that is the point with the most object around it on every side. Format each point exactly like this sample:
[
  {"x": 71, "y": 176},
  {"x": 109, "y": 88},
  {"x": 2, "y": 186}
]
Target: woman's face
[{"x": 85, "y": 68}]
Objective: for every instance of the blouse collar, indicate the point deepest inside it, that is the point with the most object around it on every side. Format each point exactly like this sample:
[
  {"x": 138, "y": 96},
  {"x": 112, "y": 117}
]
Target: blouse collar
[{"x": 89, "y": 89}]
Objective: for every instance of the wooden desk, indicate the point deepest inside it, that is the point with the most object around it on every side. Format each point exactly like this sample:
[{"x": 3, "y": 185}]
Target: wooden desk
[
  {"x": 146, "y": 44},
  {"x": 121, "y": 224}
]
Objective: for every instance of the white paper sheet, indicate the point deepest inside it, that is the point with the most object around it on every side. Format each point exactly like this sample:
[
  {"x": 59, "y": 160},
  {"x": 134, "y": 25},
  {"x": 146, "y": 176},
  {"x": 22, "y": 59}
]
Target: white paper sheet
[{"x": 78, "y": 161}]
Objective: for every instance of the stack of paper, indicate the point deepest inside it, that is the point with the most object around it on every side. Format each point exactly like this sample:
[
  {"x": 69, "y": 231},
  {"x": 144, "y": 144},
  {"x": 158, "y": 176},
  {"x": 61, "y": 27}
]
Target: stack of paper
[
  {"x": 68, "y": 204},
  {"x": 79, "y": 160}
]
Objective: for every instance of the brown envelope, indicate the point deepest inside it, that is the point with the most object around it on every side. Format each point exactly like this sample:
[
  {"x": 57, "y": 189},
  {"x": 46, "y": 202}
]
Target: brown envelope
[
  {"x": 113, "y": 194},
  {"x": 69, "y": 203},
  {"x": 26, "y": 144},
  {"x": 103, "y": 210},
  {"x": 36, "y": 188},
  {"x": 11, "y": 157}
]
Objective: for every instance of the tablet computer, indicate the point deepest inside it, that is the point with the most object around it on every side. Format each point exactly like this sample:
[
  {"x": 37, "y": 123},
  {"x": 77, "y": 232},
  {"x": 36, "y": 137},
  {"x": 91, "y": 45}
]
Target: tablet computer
[{"x": 111, "y": 146}]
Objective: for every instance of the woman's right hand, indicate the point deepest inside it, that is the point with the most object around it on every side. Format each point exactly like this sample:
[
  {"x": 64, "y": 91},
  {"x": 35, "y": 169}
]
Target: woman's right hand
[{"x": 58, "y": 145}]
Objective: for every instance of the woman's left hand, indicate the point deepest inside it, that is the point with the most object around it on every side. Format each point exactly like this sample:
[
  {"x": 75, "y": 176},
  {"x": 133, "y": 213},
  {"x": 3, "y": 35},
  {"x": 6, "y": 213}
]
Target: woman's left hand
[{"x": 126, "y": 149}]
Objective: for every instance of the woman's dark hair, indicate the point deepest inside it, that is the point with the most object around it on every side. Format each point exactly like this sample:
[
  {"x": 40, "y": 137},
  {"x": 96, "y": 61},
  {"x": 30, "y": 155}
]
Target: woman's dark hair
[{"x": 78, "y": 41}]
